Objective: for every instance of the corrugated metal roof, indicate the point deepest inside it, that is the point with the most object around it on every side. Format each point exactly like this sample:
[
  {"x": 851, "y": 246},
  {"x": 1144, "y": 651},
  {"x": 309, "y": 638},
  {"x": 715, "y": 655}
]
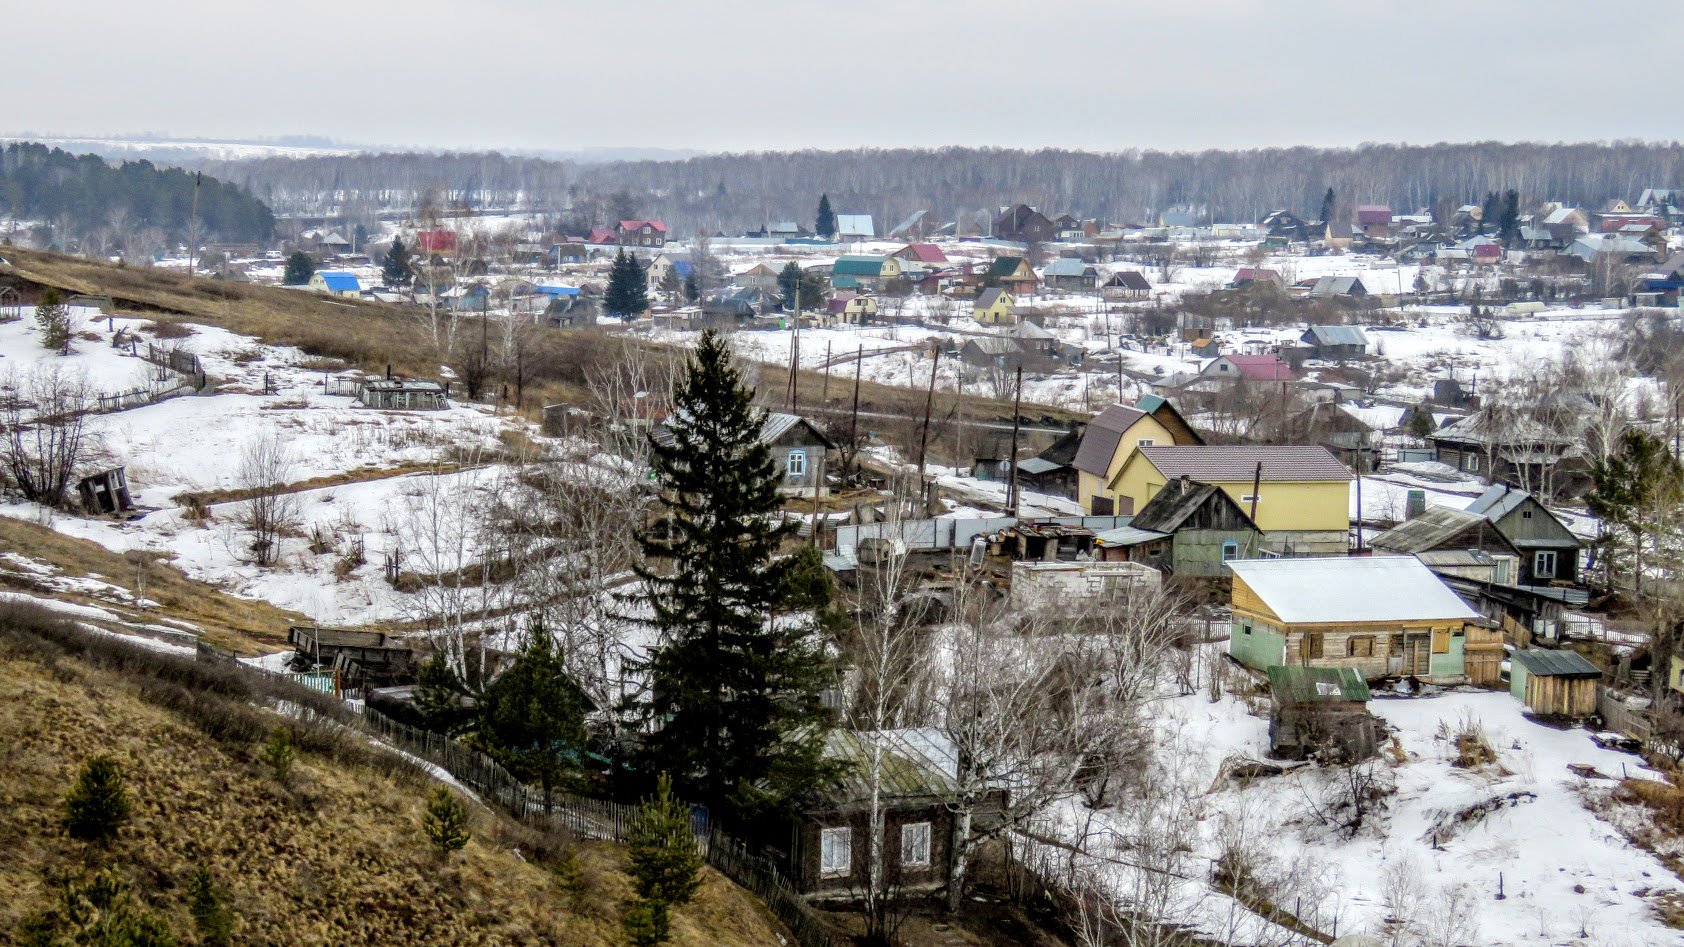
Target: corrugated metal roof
[
  {"x": 1100, "y": 439},
  {"x": 858, "y": 266},
  {"x": 1127, "y": 536},
  {"x": 1036, "y": 466},
  {"x": 1549, "y": 663},
  {"x": 915, "y": 763},
  {"x": 1339, "y": 335},
  {"x": 1066, "y": 266},
  {"x": 1434, "y": 525},
  {"x": 1233, "y": 463},
  {"x": 855, "y": 225},
  {"x": 337, "y": 281},
  {"x": 1297, "y": 684},
  {"x": 1498, "y": 500}
]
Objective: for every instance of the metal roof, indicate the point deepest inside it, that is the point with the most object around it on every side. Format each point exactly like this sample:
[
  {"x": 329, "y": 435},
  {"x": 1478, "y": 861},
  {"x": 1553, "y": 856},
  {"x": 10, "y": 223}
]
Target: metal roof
[
  {"x": 858, "y": 266},
  {"x": 1429, "y": 528},
  {"x": 1498, "y": 501},
  {"x": 1100, "y": 439},
  {"x": 1351, "y": 589},
  {"x": 1339, "y": 335},
  {"x": 1233, "y": 463},
  {"x": 915, "y": 763},
  {"x": 855, "y": 225},
  {"x": 1127, "y": 536},
  {"x": 335, "y": 280},
  {"x": 1550, "y": 663},
  {"x": 1066, "y": 266},
  {"x": 1035, "y": 466},
  {"x": 1297, "y": 685}
]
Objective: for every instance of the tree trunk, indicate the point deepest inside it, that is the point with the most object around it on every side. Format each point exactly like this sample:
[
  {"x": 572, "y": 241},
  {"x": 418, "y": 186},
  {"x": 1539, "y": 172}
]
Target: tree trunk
[{"x": 961, "y": 859}]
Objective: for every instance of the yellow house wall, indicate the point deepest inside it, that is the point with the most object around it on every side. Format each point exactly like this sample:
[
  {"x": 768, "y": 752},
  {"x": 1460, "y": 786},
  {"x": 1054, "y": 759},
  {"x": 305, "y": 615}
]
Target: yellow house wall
[
  {"x": 1146, "y": 428},
  {"x": 1281, "y": 505}
]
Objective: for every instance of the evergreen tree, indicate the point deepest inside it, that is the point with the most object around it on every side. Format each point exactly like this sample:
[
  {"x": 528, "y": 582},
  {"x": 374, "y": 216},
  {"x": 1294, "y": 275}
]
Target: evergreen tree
[
  {"x": 628, "y": 287},
  {"x": 208, "y": 906},
  {"x": 692, "y": 287},
  {"x": 446, "y": 822},
  {"x": 825, "y": 224},
  {"x": 1635, "y": 492},
  {"x": 1421, "y": 420},
  {"x": 438, "y": 697},
  {"x": 299, "y": 269},
  {"x": 789, "y": 278},
  {"x": 53, "y": 318},
  {"x": 532, "y": 717},
  {"x": 735, "y": 693},
  {"x": 665, "y": 864},
  {"x": 1510, "y": 222},
  {"x": 98, "y": 804},
  {"x": 1490, "y": 212},
  {"x": 1329, "y": 205},
  {"x": 396, "y": 270},
  {"x": 95, "y": 910},
  {"x": 277, "y": 755}
]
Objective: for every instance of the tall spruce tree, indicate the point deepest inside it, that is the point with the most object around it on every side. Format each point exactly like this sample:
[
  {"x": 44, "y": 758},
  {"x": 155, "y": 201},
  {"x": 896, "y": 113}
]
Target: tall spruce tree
[
  {"x": 1329, "y": 205},
  {"x": 532, "y": 717},
  {"x": 734, "y": 691},
  {"x": 628, "y": 287},
  {"x": 825, "y": 224},
  {"x": 789, "y": 278},
  {"x": 1509, "y": 225},
  {"x": 396, "y": 269}
]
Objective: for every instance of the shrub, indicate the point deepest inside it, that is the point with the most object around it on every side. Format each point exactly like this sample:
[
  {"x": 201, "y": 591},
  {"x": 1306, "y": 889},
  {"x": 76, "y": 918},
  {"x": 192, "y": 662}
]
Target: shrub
[
  {"x": 647, "y": 922},
  {"x": 278, "y": 755},
  {"x": 446, "y": 822},
  {"x": 208, "y": 906},
  {"x": 96, "y": 909},
  {"x": 97, "y": 805}
]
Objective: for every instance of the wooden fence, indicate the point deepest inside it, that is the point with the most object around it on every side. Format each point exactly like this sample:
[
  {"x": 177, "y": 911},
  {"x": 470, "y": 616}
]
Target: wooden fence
[{"x": 1621, "y": 717}]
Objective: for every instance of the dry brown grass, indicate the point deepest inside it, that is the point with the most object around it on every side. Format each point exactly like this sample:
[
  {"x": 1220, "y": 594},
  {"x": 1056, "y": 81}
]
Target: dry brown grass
[
  {"x": 246, "y": 626},
  {"x": 337, "y": 857}
]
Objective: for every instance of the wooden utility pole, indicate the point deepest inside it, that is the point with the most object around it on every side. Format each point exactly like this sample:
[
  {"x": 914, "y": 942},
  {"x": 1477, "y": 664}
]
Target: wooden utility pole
[
  {"x": 854, "y": 423},
  {"x": 924, "y": 437},
  {"x": 1013, "y": 493},
  {"x": 824, "y": 395}
]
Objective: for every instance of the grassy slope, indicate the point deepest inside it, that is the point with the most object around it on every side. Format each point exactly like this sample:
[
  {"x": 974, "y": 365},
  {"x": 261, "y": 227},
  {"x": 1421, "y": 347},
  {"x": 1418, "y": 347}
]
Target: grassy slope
[{"x": 337, "y": 858}]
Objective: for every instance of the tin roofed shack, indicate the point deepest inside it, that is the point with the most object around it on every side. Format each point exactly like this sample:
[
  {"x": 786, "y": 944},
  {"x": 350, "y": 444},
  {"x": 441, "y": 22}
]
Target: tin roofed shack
[{"x": 403, "y": 394}]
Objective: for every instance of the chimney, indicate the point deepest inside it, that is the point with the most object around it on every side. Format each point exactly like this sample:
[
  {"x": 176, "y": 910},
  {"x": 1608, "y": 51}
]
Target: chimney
[{"x": 1415, "y": 504}]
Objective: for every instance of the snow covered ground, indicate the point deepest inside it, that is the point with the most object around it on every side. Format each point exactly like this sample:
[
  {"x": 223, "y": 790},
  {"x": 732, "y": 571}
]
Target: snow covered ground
[{"x": 1446, "y": 835}]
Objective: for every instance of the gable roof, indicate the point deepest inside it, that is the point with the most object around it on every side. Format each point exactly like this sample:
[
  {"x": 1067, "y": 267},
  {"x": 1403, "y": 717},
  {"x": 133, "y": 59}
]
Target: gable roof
[
  {"x": 1067, "y": 266},
  {"x": 1338, "y": 286},
  {"x": 922, "y": 252},
  {"x": 1428, "y": 530},
  {"x": 1546, "y": 662},
  {"x": 635, "y": 225},
  {"x": 1129, "y": 279},
  {"x": 338, "y": 281},
  {"x": 1005, "y": 266},
  {"x": 855, "y": 225},
  {"x": 1231, "y": 463},
  {"x": 1262, "y": 367},
  {"x": 1103, "y": 434},
  {"x": 916, "y": 763},
  {"x": 1179, "y": 499},
  {"x": 1374, "y": 214},
  {"x": 1338, "y": 335},
  {"x": 858, "y": 266},
  {"x": 988, "y": 297},
  {"x": 1351, "y": 589}
]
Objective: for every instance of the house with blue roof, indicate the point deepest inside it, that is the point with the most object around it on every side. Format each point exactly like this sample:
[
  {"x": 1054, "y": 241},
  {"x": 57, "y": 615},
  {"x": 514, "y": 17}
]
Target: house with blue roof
[
  {"x": 336, "y": 283},
  {"x": 863, "y": 272}
]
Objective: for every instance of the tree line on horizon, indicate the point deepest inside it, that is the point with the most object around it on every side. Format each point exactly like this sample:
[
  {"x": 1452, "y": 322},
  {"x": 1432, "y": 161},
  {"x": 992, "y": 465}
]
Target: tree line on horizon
[{"x": 733, "y": 192}]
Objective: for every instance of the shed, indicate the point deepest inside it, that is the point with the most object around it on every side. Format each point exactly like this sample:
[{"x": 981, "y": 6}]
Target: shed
[
  {"x": 1554, "y": 683},
  {"x": 105, "y": 493},
  {"x": 403, "y": 394},
  {"x": 1321, "y": 711},
  {"x": 1335, "y": 342}
]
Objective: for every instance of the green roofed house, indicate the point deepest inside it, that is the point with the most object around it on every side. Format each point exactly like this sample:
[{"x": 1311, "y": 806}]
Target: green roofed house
[
  {"x": 1554, "y": 683},
  {"x": 1321, "y": 711},
  {"x": 1012, "y": 274},
  {"x": 869, "y": 272}
]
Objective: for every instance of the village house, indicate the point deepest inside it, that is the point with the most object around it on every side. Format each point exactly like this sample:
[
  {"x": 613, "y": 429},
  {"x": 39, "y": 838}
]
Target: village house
[
  {"x": 1549, "y": 552},
  {"x": 1126, "y": 284},
  {"x": 1257, "y": 276},
  {"x": 1322, "y": 712},
  {"x": 1380, "y": 615},
  {"x": 1024, "y": 224},
  {"x": 994, "y": 307},
  {"x": 1258, "y": 369},
  {"x": 852, "y": 227},
  {"x": 1189, "y": 529},
  {"x": 336, "y": 283},
  {"x": 863, "y": 272},
  {"x": 850, "y": 309},
  {"x": 1112, "y": 437},
  {"x": 799, "y": 452},
  {"x": 1070, "y": 274},
  {"x": 1012, "y": 274},
  {"x": 1339, "y": 287},
  {"x": 1299, "y": 496},
  {"x": 916, "y": 785},
  {"x": 640, "y": 233},
  {"x": 1374, "y": 221},
  {"x": 1512, "y": 449},
  {"x": 1443, "y": 528},
  {"x": 1335, "y": 343},
  {"x": 926, "y": 253}
]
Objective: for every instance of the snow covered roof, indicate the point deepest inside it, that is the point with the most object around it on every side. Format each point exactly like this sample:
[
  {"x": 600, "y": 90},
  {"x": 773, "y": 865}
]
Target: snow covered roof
[
  {"x": 855, "y": 225},
  {"x": 1066, "y": 266},
  {"x": 1351, "y": 589}
]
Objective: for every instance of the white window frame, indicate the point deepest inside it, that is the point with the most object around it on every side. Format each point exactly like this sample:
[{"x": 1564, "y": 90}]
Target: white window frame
[
  {"x": 836, "y": 851},
  {"x": 1230, "y": 550},
  {"x": 795, "y": 463},
  {"x": 1249, "y": 497},
  {"x": 1145, "y": 442},
  {"x": 915, "y": 845},
  {"x": 1538, "y": 563},
  {"x": 1470, "y": 463}
]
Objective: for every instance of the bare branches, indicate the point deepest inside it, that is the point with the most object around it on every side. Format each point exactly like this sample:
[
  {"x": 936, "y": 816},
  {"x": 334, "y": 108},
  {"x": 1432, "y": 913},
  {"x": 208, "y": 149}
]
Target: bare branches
[
  {"x": 271, "y": 508},
  {"x": 44, "y": 413}
]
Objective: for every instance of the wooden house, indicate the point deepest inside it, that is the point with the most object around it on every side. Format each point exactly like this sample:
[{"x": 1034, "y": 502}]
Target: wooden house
[
  {"x": 850, "y": 309},
  {"x": 373, "y": 657},
  {"x": 1300, "y": 494},
  {"x": 1335, "y": 343},
  {"x": 917, "y": 780},
  {"x": 1549, "y": 552},
  {"x": 1440, "y": 528},
  {"x": 1126, "y": 284},
  {"x": 641, "y": 233},
  {"x": 1512, "y": 450},
  {"x": 1012, "y": 274},
  {"x": 799, "y": 451},
  {"x": 1190, "y": 529},
  {"x": 1374, "y": 220},
  {"x": 1321, "y": 712},
  {"x": 1070, "y": 274},
  {"x": 1112, "y": 437},
  {"x": 336, "y": 283},
  {"x": 1554, "y": 683},
  {"x": 994, "y": 307},
  {"x": 1024, "y": 224},
  {"x": 1052, "y": 471},
  {"x": 1381, "y": 615}
]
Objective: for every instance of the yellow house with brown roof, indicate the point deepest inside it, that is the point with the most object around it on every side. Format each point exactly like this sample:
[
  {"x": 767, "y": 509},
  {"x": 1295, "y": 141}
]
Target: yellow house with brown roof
[{"x": 1112, "y": 437}]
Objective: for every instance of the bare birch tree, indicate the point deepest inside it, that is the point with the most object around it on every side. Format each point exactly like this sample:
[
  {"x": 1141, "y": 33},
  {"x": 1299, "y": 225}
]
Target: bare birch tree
[
  {"x": 44, "y": 413},
  {"x": 271, "y": 508}
]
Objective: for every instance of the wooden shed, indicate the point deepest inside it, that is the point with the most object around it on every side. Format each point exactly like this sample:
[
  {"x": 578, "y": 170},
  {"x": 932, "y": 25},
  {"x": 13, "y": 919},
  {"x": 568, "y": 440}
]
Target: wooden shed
[
  {"x": 1554, "y": 683},
  {"x": 1321, "y": 711}
]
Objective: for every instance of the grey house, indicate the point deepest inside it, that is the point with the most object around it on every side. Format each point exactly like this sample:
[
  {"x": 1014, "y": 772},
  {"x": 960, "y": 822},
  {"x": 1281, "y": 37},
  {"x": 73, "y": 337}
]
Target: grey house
[
  {"x": 1333, "y": 343},
  {"x": 1549, "y": 552},
  {"x": 799, "y": 451}
]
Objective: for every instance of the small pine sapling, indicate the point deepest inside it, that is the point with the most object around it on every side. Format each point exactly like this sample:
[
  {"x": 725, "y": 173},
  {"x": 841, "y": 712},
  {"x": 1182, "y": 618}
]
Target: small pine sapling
[
  {"x": 446, "y": 822},
  {"x": 208, "y": 905},
  {"x": 97, "y": 805},
  {"x": 278, "y": 755}
]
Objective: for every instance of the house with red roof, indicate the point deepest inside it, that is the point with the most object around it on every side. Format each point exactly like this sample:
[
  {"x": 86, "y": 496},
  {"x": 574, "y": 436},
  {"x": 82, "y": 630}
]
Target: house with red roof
[
  {"x": 641, "y": 233},
  {"x": 604, "y": 236},
  {"x": 921, "y": 253},
  {"x": 1253, "y": 368},
  {"x": 1374, "y": 220}
]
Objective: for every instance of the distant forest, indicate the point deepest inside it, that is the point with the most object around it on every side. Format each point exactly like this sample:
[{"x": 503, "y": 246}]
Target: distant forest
[
  {"x": 128, "y": 205},
  {"x": 733, "y": 192}
]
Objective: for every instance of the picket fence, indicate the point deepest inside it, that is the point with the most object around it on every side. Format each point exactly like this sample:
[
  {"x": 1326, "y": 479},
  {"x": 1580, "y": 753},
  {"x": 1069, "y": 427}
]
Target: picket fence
[{"x": 583, "y": 816}]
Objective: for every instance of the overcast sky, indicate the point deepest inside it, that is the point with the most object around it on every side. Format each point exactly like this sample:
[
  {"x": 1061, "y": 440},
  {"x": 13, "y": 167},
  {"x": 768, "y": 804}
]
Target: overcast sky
[{"x": 743, "y": 75}]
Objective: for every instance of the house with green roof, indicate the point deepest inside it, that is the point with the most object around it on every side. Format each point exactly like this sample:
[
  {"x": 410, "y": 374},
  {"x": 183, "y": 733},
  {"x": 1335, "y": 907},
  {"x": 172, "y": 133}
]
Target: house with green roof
[
  {"x": 1012, "y": 274},
  {"x": 863, "y": 272}
]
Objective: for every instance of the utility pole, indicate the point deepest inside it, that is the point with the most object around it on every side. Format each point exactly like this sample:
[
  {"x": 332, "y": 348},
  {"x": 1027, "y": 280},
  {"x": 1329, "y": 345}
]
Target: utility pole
[
  {"x": 1013, "y": 492},
  {"x": 193, "y": 227},
  {"x": 854, "y": 424},
  {"x": 924, "y": 437}
]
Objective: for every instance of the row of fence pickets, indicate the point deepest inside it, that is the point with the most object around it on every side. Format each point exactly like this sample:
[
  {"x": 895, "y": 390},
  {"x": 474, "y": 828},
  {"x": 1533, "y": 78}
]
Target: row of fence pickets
[{"x": 583, "y": 816}]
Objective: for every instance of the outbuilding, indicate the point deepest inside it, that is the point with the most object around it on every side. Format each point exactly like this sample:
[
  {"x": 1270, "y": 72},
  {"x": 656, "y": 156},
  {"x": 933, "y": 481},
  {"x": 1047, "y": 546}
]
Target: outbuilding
[
  {"x": 1321, "y": 711},
  {"x": 1554, "y": 683}
]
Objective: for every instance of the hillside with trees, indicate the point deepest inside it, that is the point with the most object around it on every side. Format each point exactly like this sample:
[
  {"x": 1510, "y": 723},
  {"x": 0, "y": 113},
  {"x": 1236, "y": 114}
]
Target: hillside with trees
[{"x": 135, "y": 206}]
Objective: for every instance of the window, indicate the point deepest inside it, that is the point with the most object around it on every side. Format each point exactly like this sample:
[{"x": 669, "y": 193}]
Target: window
[
  {"x": 1311, "y": 645},
  {"x": 915, "y": 845},
  {"x": 1145, "y": 442},
  {"x": 1230, "y": 550},
  {"x": 1245, "y": 628},
  {"x": 1441, "y": 641},
  {"x": 1360, "y": 646},
  {"x": 1470, "y": 462},
  {"x": 836, "y": 851},
  {"x": 1249, "y": 498},
  {"x": 1543, "y": 564},
  {"x": 1525, "y": 514},
  {"x": 796, "y": 463}
]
